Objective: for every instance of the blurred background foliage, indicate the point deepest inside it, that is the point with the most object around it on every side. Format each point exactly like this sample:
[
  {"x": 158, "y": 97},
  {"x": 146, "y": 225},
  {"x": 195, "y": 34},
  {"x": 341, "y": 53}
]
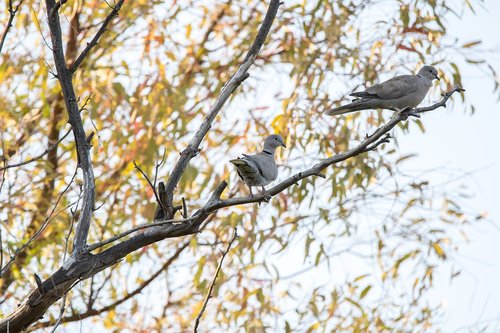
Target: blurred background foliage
[{"x": 355, "y": 252}]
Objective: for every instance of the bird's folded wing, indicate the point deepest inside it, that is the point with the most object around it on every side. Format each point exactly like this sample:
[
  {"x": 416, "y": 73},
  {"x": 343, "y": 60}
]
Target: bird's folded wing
[
  {"x": 267, "y": 166},
  {"x": 247, "y": 166},
  {"x": 394, "y": 88}
]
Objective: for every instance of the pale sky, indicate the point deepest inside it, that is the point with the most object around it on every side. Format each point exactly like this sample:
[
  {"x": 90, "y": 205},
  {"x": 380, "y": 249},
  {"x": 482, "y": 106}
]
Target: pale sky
[{"x": 469, "y": 143}]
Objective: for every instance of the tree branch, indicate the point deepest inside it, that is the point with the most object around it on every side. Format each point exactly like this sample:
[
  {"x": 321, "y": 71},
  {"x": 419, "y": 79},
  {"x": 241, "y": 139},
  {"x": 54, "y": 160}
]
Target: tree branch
[
  {"x": 12, "y": 14},
  {"x": 82, "y": 146},
  {"x": 44, "y": 225},
  {"x": 368, "y": 144},
  {"x": 442, "y": 102},
  {"x": 158, "y": 201},
  {"x": 39, "y": 156},
  {"x": 215, "y": 203},
  {"x": 89, "y": 265},
  {"x": 210, "y": 290},
  {"x": 240, "y": 75},
  {"x": 85, "y": 265},
  {"x": 93, "y": 312},
  {"x": 98, "y": 35}
]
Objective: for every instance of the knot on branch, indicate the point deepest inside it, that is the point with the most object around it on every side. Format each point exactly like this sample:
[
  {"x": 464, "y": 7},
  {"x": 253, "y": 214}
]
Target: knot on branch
[
  {"x": 385, "y": 139},
  {"x": 215, "y": 198},
  {"x": 190, "y": 152},
  {"x": 39, "y": 284},
  {"x": 162, "y": 204}
]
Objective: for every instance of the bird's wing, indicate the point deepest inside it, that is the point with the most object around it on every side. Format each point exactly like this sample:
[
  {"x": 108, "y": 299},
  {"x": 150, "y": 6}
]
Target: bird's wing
[
  {"x": 394, "y": 88},
  {"x": 267, "y": 166},
  {"x": 246, "y": 166}
]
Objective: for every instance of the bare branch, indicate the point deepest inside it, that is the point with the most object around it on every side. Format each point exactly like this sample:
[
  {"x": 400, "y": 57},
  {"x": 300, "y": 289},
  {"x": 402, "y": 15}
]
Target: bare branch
[
  {"x": 86, "y": 265},
  {"x": 39, "y": 156},
  {"x": 215, "y": 203},
  {"x": 94, "y": 246},
  {"x": 93, "y": 312},
  {"x": 151, "y": 185},
  {"x": 4, "y": 170},
  {"x": 209, "y": 294},
  {"x": 442, "y": 102},
  {"x": 12, "y": 14},
  {"x": 98, "y": 35},
  {"x": 82, "y": 146},
  {"x": 385, "y": 139},
  {"x": 228, "y": 89},
  {"x": 44, "y": 225},
  {"x": 61, "y": 313},
  {"x": 368, "y": 144}
]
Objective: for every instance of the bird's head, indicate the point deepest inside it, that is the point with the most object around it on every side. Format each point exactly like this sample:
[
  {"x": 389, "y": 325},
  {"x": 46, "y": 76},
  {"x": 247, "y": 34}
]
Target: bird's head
[
  {"x": 428, "y": 72},
  {"x": 274, "y": 141}
]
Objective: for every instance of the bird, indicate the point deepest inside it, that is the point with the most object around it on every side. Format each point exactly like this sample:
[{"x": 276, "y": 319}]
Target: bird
[
  {"x": 260, "y": 169},
  {"x": 398, "y": 94}
]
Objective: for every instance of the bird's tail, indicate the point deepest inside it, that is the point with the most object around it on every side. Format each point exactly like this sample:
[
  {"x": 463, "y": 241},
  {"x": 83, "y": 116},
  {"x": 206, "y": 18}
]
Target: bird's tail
[
  {"x": 238, "y": 161},
  {"x": 359, "y": 104},
  {"x": 244, "y": 166}
]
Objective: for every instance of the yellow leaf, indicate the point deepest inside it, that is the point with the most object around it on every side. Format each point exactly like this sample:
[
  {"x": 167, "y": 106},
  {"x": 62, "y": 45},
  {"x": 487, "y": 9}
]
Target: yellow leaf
[
  {"x": 171, "y": 55},
  {"x": 439, "y": 250}
]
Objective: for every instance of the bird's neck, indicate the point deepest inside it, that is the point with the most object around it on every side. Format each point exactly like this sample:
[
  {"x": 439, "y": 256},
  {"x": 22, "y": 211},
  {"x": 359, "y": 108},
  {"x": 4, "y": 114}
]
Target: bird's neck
[
  {"x": 268, "y": 151},
  {"x": 428, "y": 82}
]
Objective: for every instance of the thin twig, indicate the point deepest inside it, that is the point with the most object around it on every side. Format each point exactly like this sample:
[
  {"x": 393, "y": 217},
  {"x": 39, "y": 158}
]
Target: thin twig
[
  {"x": 4, "y": 170},
  {"x": 151, "y": 185},
  {"x": 385, "y": 139},
  {"x": 184, "y": 208},
  {"x": 134, "y": 229},
  {"x": 39, "y": 156},
  {"x": 209, "y": 294},
  {"x": 442, "y": 102},
  {"x": 98, "y": 35},
  {"x": 241, "y": 74},
  {"x": 158, "y": 165},
  {"x": 215, "y": 203},
  {"x": 45, "y": 223},
  {"x": 61, "y": 313},
  {"x": 12, "y": 13}
]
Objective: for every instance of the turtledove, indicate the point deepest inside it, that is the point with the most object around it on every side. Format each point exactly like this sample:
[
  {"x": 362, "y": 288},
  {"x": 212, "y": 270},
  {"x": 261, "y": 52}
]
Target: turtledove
[
  {"x": 397, "y": 94},
  {"x": 260, "y": 169}
]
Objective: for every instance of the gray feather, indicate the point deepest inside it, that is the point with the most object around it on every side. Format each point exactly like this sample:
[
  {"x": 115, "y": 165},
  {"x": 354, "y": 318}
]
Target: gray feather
[
  {"x": 260, "y": 169},
  {"x": 399, "y": 93}
]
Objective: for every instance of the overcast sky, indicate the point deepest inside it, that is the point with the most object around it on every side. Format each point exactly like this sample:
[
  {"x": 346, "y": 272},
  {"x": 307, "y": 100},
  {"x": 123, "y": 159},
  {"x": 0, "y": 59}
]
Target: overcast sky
[{"x": 470, "y": 143}]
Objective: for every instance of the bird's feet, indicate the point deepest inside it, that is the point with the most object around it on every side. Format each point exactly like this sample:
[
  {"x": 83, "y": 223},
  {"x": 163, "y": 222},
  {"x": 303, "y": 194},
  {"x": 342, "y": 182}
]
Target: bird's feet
[
  {"x": 407, "y": 113},
  {"x": 266, "y": 195}
]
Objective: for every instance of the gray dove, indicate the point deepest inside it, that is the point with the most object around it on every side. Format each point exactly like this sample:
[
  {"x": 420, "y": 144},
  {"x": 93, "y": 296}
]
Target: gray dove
[
  {"x": 260, "y": 169},
  {"x": 398, "y": 94}
]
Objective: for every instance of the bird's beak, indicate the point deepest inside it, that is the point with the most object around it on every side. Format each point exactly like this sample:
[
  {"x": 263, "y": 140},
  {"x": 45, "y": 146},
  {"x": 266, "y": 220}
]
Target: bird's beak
[
  {"x": 437, "y": 77},
  {"x": 283, "y": 144}
]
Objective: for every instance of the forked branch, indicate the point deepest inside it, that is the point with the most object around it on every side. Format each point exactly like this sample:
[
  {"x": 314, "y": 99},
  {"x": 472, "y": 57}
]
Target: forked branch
[
  {"x": 228, "y": 89},
  {"x": 12, "y": 13},
  {"x": 95, "y": 39},
  {"x": 75, "y": 119},
  {"x": 214, "y": 203}
]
